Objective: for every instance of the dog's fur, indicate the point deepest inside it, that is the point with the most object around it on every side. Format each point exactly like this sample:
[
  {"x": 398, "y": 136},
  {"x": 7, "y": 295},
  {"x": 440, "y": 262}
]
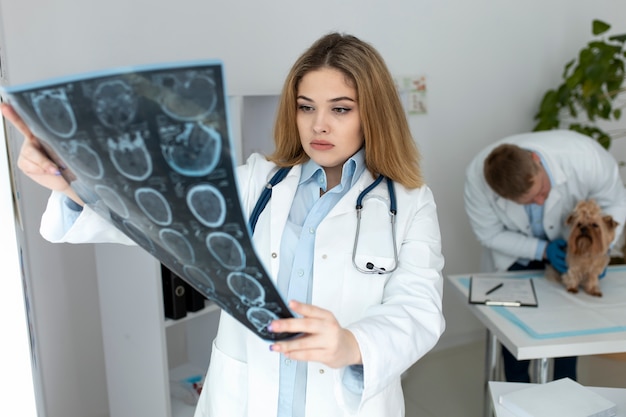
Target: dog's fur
[{"x": 587, "y": 251}]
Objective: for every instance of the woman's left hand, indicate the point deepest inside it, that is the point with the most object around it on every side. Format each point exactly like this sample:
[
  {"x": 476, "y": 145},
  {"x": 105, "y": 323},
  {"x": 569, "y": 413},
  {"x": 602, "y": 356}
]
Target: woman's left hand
[{"x": 323, "y": 339}]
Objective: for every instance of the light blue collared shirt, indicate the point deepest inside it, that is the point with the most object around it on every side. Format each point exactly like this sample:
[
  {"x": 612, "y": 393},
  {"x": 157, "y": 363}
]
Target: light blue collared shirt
[
  {"x": 295, "y": 274},
  {"x": 535, "y": 217}
]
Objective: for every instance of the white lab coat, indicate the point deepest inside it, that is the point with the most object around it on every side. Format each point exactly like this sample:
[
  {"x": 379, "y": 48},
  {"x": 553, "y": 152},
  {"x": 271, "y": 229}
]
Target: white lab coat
[
  {"x": 396, "y": 318},
  {"x": 580, "y": 168}
]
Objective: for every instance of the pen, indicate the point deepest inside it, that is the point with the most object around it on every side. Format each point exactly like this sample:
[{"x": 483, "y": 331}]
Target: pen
[
  {"x": 493, "y": 289},
  {"x": 504, "y": 303}
]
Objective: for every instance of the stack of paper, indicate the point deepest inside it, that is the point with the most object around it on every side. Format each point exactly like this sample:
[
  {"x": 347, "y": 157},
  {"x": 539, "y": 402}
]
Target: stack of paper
[{"x": 563, "y": 397}]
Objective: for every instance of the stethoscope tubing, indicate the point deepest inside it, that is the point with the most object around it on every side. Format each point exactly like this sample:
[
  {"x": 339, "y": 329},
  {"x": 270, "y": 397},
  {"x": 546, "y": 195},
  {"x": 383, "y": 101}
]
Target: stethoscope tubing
[
  {"x": 372, "y": 269},
  {"x": 266, "y": 194}
]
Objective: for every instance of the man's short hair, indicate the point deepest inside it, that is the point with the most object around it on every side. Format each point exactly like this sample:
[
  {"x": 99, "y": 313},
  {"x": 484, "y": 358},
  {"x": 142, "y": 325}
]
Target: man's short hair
[{"x": 509, "y": 170}]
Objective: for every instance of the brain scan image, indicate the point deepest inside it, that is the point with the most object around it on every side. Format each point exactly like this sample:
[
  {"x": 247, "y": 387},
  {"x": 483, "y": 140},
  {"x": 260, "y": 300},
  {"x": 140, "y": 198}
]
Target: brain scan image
[
  {"x": 130, "y": 156},
  {"x": 260, "y": 318},
  {"x": 115, "y": 103},
  {"x": 149, "y": 149},
  {"x": 55, "y": 112},
  {"x": 247, "y": 289},
  {"x": 135, "y": 233},
  {"x": 199, "y": 279},
  {"x": 227, "y": 250},
  {"x": 194, "y": 151},
  {"x": 178, "y": 245},
  {"x": 189, "y": 96},
  {"x": 154, "y": 205},
  {"x": 207, "y": 204},
  {"x": 83, "y": 159},
  {"x": 112, "y": 199}
]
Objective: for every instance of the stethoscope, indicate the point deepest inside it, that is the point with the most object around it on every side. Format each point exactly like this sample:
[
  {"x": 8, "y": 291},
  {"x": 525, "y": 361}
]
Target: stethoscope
[{"x": 370, "y": 268}]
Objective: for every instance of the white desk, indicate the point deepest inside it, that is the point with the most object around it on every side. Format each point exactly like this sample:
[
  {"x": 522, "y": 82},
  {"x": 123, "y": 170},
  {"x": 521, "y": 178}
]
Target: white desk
[
  {"x": 588, "y": 332},
  {"x": 616, "y": 395}
]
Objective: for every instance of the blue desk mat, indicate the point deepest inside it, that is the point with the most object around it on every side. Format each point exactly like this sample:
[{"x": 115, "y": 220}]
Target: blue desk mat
[{"x": 607, "y": 314}]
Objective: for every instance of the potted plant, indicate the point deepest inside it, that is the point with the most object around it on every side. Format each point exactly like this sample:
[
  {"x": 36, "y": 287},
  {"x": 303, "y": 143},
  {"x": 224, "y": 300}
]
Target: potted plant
[{"x": 591, "y": 85}]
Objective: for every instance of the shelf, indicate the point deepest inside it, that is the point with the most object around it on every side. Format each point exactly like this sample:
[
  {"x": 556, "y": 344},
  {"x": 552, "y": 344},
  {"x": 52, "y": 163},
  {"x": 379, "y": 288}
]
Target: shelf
[
  {"x": 209, "y": 308},
  {"x": 183, "y": 403}
]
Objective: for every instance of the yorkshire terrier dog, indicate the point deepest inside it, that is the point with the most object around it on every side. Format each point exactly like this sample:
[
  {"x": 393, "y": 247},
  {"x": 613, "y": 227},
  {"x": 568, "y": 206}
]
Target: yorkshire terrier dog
[{"x": 587, "y": 253}]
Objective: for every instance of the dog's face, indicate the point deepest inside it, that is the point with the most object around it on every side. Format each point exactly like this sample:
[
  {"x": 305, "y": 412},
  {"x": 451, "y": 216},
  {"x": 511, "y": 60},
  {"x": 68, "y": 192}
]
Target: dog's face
[{"x": 591, "y": 232}]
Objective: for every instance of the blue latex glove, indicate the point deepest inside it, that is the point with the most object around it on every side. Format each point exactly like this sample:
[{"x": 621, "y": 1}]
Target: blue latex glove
[
  {"x": 603, "y": 274},
  {"x": 555, "y": 252}
]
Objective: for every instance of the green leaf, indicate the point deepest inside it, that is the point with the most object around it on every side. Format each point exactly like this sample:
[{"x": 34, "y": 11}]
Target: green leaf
[
  {"x": 605, "y": 110},
  {"x": 612, "y": 87},
  {"x": 563, "y": 94},
  {"x": 572, "y": 110},
  {"x": 618, "y": 38},
  {"x": 546, "y": 125},
  {"x": 591, "y": 87},
  {"x": 591, "y": 107},
  {"x": 617, "y": 113},
  {"x": 573, "y": 80},
  {"x": 593, "y": 132},
  {"x": 584, "y": 130},
  {"x": 599, "y": 27},
  {"x": 567, "y": 67},
  {"x": 549, "y": 103},
  {"x": 604, "y": 140}
]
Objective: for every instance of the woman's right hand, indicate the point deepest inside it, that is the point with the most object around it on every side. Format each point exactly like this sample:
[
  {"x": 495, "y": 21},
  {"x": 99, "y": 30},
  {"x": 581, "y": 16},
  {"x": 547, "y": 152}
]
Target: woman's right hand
[{"x": 33, "y": 160}]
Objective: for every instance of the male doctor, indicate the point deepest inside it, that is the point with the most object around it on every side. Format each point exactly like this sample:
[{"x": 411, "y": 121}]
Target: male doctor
[{"x": 518, "y": 193}]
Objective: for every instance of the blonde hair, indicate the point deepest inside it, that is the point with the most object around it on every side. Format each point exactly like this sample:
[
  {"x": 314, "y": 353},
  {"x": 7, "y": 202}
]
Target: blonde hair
[{"x": 389, "y": 147}]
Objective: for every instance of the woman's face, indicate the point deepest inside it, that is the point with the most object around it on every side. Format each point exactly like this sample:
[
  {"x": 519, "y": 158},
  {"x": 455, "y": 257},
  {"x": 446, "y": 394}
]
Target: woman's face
[{"x": 328, "y": 120}]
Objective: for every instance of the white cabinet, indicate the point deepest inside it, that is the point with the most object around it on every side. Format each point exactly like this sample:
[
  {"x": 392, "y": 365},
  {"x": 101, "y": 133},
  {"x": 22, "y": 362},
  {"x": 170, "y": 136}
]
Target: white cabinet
[
  {"x": 143, "y": 350},
  {"x": 257, "y": 124},
  {"x": 252, "y": 124}
]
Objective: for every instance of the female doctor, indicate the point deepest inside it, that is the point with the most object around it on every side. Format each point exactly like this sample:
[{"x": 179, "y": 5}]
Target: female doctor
[{"x": 366, "y": 293}]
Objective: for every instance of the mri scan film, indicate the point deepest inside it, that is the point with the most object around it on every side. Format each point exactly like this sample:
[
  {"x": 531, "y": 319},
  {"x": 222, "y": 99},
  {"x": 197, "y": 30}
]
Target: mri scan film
[{"x": 149, "y": 149}]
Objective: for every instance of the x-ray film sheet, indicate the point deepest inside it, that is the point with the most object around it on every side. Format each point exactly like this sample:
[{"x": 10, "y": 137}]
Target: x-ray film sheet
[{"x": 149, "y": 148}]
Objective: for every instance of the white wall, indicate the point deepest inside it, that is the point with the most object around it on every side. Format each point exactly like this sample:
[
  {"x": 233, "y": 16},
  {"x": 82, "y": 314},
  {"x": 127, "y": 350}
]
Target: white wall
[{"x": 487, "y": 62}]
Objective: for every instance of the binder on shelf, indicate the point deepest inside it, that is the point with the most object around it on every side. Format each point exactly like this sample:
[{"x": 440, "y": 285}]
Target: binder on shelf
[
  {"x": 502, "y": 291},
  {"x": 563, "y": 397},
  {"x": 194, "y": 300},
  {"x": 174, "y": 294}
]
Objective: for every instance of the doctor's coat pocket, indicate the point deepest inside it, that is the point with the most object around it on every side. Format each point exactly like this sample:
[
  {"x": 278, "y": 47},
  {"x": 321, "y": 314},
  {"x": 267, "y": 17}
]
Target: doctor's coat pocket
[
  {"x": 225, "y": 389},
  {"x": 374, "y": 265},
  {"x": 367, "y": 288}
]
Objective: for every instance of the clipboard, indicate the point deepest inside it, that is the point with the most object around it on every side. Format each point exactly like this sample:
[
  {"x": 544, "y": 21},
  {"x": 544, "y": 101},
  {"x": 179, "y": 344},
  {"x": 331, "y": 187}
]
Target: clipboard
[{"x": 502, "y": 291}]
